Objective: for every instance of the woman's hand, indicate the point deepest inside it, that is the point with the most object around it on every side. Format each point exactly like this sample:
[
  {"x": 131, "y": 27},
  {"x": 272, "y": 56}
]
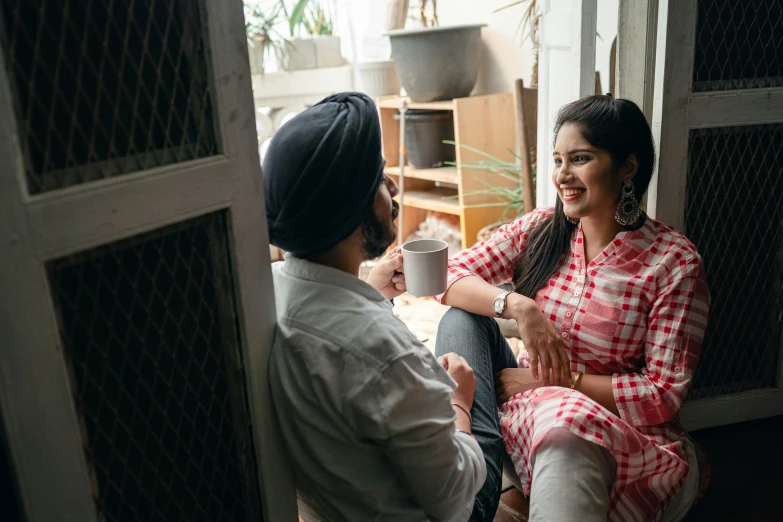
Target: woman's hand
[
  {"x": 511, "y": 381},
  {"x": 541, "y": 341},
  {"x": 387, "y": 275}
]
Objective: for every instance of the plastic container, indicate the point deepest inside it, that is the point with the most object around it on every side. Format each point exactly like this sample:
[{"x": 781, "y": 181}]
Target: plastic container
[{"x": 425, "y": 132}]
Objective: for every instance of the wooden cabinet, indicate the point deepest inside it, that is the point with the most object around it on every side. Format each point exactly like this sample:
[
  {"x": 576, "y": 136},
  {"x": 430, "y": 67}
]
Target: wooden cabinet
[{"x": 482, "y": 122}]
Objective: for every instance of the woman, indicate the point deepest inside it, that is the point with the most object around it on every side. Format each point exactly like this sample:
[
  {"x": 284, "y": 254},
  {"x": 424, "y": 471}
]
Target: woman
[{"x": 611, "y": 306}]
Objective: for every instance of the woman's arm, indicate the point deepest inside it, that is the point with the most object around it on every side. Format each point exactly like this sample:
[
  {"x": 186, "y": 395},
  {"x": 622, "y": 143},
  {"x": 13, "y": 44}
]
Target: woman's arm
[
  {"x": 476, "y": 296},
  {"x": 541, "y": 341},
  {"x": 519, "y": 380},
  {"x": 493, "y": 261},
  {"x": 473, "y": 276},
  {"x": 675, "y": 331}
]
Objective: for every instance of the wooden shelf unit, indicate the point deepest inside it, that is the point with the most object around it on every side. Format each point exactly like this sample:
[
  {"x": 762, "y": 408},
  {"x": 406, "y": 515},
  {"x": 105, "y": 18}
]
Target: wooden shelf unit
[
  {"x": 442, "y": 175},
  {"x": 483, "y": 122},
  {"x": 393, "y": 102},
  {"x": 437, "y": 199}
]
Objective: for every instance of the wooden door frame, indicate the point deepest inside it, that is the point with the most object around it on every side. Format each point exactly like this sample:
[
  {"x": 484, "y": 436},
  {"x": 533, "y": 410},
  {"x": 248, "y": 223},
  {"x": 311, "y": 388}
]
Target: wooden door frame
[
  {"x": 677, "y": 110},
  {"x": 637, "y": 27},
  {"x": 40, "y": 419}
]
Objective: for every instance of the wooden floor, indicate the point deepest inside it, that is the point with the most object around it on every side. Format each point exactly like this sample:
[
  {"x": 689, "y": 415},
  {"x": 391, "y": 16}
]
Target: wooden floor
[{"x": 747, "y": 476}]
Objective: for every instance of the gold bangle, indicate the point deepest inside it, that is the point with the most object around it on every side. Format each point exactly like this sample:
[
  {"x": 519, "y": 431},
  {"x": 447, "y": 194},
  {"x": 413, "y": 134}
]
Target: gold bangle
[{"x": 575, "y": 382}]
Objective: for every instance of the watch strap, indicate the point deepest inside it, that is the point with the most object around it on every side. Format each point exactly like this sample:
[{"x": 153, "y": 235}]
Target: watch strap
[{"x": 502, "y": 295}]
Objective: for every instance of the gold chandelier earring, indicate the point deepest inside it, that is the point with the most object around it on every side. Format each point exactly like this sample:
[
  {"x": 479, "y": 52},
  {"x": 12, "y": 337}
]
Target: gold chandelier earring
[{"x": 628, "y": 210}]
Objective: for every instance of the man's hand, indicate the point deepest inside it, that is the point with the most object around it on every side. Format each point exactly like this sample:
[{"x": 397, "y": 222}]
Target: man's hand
[
  {"x": 511, "y": 381},
  {"x": 387, "y": 275},
  {"x": 459, "y": 370}
]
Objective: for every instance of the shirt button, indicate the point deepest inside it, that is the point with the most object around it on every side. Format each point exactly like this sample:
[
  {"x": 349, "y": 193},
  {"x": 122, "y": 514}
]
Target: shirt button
[
  {"x": 568, "y": 314},
  {"x": 565, "y": 334},
  {"x": 576, "y": 294}
]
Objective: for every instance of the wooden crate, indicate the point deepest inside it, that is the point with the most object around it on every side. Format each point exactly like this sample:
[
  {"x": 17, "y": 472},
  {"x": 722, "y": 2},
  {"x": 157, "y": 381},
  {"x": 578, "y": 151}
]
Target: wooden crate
[{"x": 483, "y": 122}]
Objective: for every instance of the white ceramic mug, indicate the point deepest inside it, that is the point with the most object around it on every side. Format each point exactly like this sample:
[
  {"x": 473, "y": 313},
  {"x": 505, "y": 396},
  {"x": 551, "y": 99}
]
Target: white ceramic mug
[{"x": 425, "y": 262}]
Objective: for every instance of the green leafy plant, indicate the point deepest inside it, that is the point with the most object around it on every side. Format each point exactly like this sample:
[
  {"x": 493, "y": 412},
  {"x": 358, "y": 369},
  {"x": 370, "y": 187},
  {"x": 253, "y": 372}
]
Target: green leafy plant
[
  {"x": 312, "y": 16},
  {"x": 260, "y": 29},
  {"x": 509, "y": 197}
]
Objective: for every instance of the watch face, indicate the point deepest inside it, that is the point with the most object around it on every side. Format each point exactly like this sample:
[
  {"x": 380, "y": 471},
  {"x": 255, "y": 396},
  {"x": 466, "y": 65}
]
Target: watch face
[{"x": 498, "y": 305}]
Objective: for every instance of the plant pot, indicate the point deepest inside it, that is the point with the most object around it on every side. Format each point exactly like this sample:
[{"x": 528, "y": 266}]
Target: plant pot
[
  {"x": 378, "y": 78},
  {"x": 438, "y": 63},
  {"x": 314, "y": 53},
  {"x": 424, "y": 135}
]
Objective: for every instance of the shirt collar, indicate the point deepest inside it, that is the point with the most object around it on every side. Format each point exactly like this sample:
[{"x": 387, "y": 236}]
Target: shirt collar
[
  {"x": 647, "y": 230},
  {"x": 304, "y": 269}
]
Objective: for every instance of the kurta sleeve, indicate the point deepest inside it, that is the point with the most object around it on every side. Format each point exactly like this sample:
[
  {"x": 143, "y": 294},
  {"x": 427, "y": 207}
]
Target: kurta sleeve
[
  {"x": 675, "y": 332},
  {"x": 494, "y": 259}
]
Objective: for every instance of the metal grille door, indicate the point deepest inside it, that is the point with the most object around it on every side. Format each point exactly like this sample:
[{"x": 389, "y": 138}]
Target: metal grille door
[
  {"x": 107, "y": 88},
  {"x": 149, "y": 328},
  {"x": 136, "y": 301},
  {"x": 738, "y": 45},
  {"x": 719, "y": 119},
  {"x": 734, "y": 216}
]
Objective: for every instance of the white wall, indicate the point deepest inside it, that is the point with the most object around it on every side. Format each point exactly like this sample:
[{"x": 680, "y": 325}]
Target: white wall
[{"x": 504, "y": 59}]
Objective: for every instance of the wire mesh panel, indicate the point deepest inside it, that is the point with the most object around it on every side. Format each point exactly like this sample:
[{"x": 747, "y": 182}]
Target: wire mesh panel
[
  {"x": 148, "y": 326},
  {"x": 734, "y": 215},
  {"x": 739, "y": 45},
  {"x": 106, "y": 88}
]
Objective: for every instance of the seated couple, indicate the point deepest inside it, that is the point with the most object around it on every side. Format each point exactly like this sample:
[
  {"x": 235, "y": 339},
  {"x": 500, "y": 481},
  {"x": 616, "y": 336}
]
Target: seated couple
[{"x": 611, "y": 307}]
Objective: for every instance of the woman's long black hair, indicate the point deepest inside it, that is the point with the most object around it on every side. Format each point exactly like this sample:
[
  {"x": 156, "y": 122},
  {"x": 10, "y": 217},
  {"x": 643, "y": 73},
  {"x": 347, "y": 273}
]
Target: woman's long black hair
[{"x": 617, "y": 126}]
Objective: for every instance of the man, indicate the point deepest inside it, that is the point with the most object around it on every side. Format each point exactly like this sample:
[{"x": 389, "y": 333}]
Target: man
[{"x": 376, "y": 428}]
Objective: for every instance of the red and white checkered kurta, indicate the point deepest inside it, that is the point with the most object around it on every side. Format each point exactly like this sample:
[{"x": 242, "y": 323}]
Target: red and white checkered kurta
[{"x": 637, "y": 312}]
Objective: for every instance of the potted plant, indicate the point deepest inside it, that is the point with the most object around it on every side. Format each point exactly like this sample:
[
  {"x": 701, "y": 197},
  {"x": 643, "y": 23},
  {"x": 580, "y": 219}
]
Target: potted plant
[
  {"x": 313, "y": 44},
  {"x": 262, "y": 37},
  {"x": 424, "y": 56},
  {"x": 509, "y": 197}
]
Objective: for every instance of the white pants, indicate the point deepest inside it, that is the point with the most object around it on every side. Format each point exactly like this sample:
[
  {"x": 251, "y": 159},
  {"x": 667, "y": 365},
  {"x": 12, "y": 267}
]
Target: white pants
[{"x": 572, "y": 480}]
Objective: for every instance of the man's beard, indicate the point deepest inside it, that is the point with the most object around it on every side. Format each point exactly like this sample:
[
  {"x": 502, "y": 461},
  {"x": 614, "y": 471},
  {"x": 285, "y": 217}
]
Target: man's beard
[{"x": 378, "y": 235}]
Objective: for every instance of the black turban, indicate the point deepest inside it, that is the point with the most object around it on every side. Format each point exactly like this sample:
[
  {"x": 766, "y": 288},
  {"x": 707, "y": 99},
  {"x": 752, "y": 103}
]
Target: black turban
[{"x": 322, "y": 172}]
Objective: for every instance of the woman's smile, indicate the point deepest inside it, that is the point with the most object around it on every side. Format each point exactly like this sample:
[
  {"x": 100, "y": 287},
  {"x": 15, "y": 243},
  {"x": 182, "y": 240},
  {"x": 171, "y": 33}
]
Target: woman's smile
[{"x": 570, "y": 194}]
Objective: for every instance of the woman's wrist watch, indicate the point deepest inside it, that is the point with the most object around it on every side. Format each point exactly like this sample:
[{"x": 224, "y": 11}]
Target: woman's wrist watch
[{"x": 499, "y": 304}]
